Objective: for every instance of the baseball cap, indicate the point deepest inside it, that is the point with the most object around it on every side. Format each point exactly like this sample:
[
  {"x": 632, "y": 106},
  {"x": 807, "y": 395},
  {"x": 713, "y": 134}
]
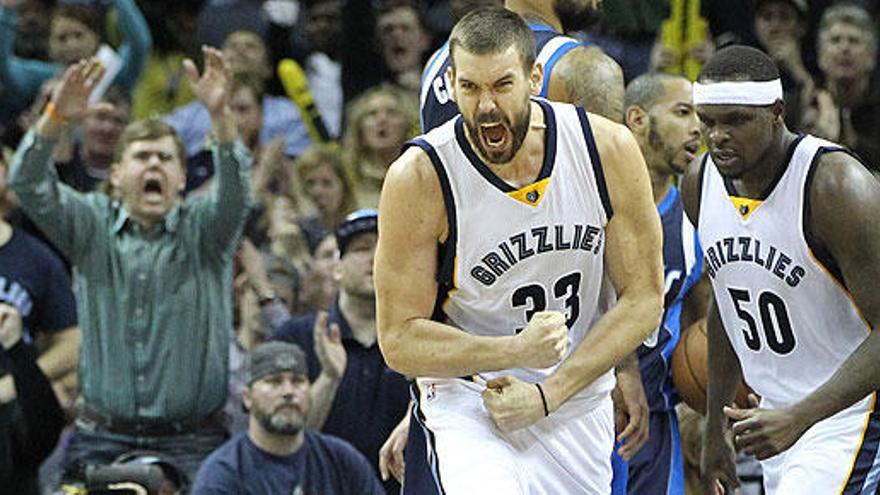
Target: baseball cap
[
  {"x": 360, "y": 222},
  {"x": 275, "y": 357}
]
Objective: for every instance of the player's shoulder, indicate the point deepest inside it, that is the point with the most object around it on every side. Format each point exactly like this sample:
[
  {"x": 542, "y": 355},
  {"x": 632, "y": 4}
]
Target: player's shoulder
[{"x": 841, "y": 183}]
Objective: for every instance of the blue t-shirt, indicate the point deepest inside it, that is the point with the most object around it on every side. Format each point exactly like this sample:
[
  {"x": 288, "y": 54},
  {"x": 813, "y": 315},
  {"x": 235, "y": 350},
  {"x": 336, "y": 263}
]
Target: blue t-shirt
[
  {"x": 368, "y": 384},
  {"x": 34, "y": 280},
  {"x": 323, "y": 465}
]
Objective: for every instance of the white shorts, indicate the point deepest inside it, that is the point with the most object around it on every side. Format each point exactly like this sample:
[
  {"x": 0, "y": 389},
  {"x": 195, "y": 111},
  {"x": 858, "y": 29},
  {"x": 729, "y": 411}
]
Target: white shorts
[
  {"x": 568, "y": 452},
  {"x": 835, "y": 456}
]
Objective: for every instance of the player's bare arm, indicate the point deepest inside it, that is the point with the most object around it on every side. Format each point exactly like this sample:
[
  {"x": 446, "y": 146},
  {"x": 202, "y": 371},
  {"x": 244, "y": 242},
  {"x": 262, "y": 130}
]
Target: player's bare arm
[
  {"x": 586, "y": 76},
  {"x": 633, "y": 261},
  {"x": 845, "y": 199},
  {"x": 413, "y": 223},
  {"x": 717, "y": 459}
]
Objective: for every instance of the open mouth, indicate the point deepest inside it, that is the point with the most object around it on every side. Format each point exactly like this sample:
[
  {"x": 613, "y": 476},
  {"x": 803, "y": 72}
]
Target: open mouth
[
  {"x": 493, "y": 134},
  {"x": 153, "y": 186}
]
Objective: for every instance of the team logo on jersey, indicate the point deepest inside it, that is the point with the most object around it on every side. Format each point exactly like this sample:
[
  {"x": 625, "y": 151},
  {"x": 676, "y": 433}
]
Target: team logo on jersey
[{"x": 532, "y": 196}]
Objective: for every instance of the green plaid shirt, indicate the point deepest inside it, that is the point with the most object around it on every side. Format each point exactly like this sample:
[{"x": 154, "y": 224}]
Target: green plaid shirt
[{"x": 155, "y": 307}]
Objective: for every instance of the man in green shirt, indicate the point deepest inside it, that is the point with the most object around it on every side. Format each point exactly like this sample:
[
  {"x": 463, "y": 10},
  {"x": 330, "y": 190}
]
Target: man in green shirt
[{"x": 153, "y": 274}]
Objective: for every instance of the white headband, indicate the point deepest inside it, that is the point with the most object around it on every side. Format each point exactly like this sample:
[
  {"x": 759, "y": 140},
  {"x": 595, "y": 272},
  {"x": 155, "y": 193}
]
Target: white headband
[{"x": 738, "y": 93}]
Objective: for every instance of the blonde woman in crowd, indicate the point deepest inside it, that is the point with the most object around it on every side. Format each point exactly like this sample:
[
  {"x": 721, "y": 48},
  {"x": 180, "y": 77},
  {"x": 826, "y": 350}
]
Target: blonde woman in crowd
[{"x": 379, "y": 122}]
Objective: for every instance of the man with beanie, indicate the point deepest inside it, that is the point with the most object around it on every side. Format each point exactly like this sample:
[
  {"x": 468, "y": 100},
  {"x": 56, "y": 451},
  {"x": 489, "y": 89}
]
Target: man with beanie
[
  {"x": 344, "y": 361},
  {"x": 276, "y": 454}
]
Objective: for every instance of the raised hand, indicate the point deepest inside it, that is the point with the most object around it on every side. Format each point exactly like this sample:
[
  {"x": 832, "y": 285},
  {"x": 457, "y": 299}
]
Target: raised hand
[
  {"x": 212, "y": 86},
  {"x": 544, "y": 340},
  {"x": 329, "y": 348},
  {"x": 512, "y": 403},
  {"x": 70, "y": 97}
]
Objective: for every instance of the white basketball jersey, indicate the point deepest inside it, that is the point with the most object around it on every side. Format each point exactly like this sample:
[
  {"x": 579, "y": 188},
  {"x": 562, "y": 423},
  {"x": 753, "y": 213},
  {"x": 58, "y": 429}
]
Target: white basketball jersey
[
  {"x": 787, "y": 315},
  {"x": 513, "y": 252}
]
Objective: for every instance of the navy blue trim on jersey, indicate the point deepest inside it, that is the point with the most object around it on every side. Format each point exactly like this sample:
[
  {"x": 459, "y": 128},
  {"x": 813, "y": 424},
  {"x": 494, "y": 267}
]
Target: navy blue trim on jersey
[
  {"x": 816, "y": 246},
  {"x": 486, "y": 172},
  {"x": 421, "y": 482},
  {"x": 731, "y": 188},
  {"x": 598, "y": 171},
  {"x": 446, "y": 252},
  {"x": 865, "y": 462},
  {"x": 656, "y": 469}
]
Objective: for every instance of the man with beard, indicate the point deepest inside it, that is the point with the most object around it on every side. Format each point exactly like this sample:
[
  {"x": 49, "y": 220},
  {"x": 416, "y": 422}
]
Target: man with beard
[
  {"x": 573, "y": 73},
  {"x": 791, "y": 238},
  {"x": 661, "y": 116},
  {"x": 344, "y": 360},
  {"x": 154, "y": 274},
  {"x": 277, "y": 454},
  {"x": 504, "y": 235}
]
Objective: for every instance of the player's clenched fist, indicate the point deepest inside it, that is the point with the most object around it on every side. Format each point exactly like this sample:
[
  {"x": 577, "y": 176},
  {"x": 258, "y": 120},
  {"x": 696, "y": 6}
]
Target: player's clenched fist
[{"x": 544, "y": 341}]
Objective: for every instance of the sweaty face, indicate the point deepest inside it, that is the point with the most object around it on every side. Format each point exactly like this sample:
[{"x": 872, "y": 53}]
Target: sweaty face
[
  {"x": 356, "y": 265},
  {"x": 279, "y": 402},
  {"x": 492, "y": 92},
  {"x": 71, "y": 40},
  {"x": 149, "y": 178},
  {"x": 846, "y": 51},
  {"x": 737, "y": 136},
  {"x": 674, "y": 136},
  {"x": 576, "y": 15}
]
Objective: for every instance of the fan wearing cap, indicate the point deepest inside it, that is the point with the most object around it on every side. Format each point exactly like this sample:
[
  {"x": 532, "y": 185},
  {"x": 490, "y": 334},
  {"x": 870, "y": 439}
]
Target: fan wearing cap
[
  {"x": 278, "y": 454},
  {"x": 350, "y": 375},
  {"x": 791, "y": 238}
]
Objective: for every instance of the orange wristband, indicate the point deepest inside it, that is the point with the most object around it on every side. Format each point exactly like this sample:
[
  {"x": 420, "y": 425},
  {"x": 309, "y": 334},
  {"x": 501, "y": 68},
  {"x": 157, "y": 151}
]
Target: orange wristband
[{"x": 53, "y": 114}]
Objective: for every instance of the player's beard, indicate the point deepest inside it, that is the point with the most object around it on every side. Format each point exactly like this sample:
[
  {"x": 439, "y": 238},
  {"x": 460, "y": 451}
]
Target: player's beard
[
  {"x": 518, "y": 130},
  {"x": 668, "y": 153},
  {"x": 574, "y": 15}
]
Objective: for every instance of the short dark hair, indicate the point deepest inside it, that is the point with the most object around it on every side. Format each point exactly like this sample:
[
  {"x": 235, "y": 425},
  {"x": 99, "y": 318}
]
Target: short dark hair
[
  {"x": 148, "y": 130},
  {"x": 739, "y": 63},
  {"x": 492, "y": 30},
  {"x": 646, "y": 89}
]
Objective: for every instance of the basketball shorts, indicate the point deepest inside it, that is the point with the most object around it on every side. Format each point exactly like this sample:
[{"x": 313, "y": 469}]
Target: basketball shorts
[
  {"x": 836, "y": 456},
  {"x": 658, "y": 467},
  {"x": 568, "y": 452}
]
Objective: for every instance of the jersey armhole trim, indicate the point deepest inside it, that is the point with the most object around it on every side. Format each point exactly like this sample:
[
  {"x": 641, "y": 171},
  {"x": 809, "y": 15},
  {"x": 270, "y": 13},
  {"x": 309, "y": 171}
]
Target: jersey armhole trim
[
  {"x": 446, "y": 251},
  {"x": 551, "y": 62},
  {"x": 598, "y": 171},
  {"x": 817, "y": 248}
]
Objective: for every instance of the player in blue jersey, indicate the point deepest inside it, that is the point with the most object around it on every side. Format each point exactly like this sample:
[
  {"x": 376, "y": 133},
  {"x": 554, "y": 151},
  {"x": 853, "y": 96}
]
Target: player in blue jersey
[
  {"x": 573, "y": 73},
  {"x": 660, "y": 114}
]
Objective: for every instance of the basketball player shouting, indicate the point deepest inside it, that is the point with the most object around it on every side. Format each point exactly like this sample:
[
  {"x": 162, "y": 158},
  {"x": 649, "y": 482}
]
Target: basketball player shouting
[
  {"x": 512, "y": 225},
  {"x": 791, "y": 240}
]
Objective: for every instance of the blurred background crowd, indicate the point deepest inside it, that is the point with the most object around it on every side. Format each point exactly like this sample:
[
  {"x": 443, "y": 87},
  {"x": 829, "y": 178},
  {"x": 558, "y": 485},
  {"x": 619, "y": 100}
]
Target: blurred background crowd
[{"x": 324, "y": 94}]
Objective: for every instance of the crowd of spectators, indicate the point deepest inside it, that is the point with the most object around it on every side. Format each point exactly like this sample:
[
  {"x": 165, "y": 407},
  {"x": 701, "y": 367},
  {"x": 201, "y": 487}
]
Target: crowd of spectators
[{"x": 164, "y": 219}]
